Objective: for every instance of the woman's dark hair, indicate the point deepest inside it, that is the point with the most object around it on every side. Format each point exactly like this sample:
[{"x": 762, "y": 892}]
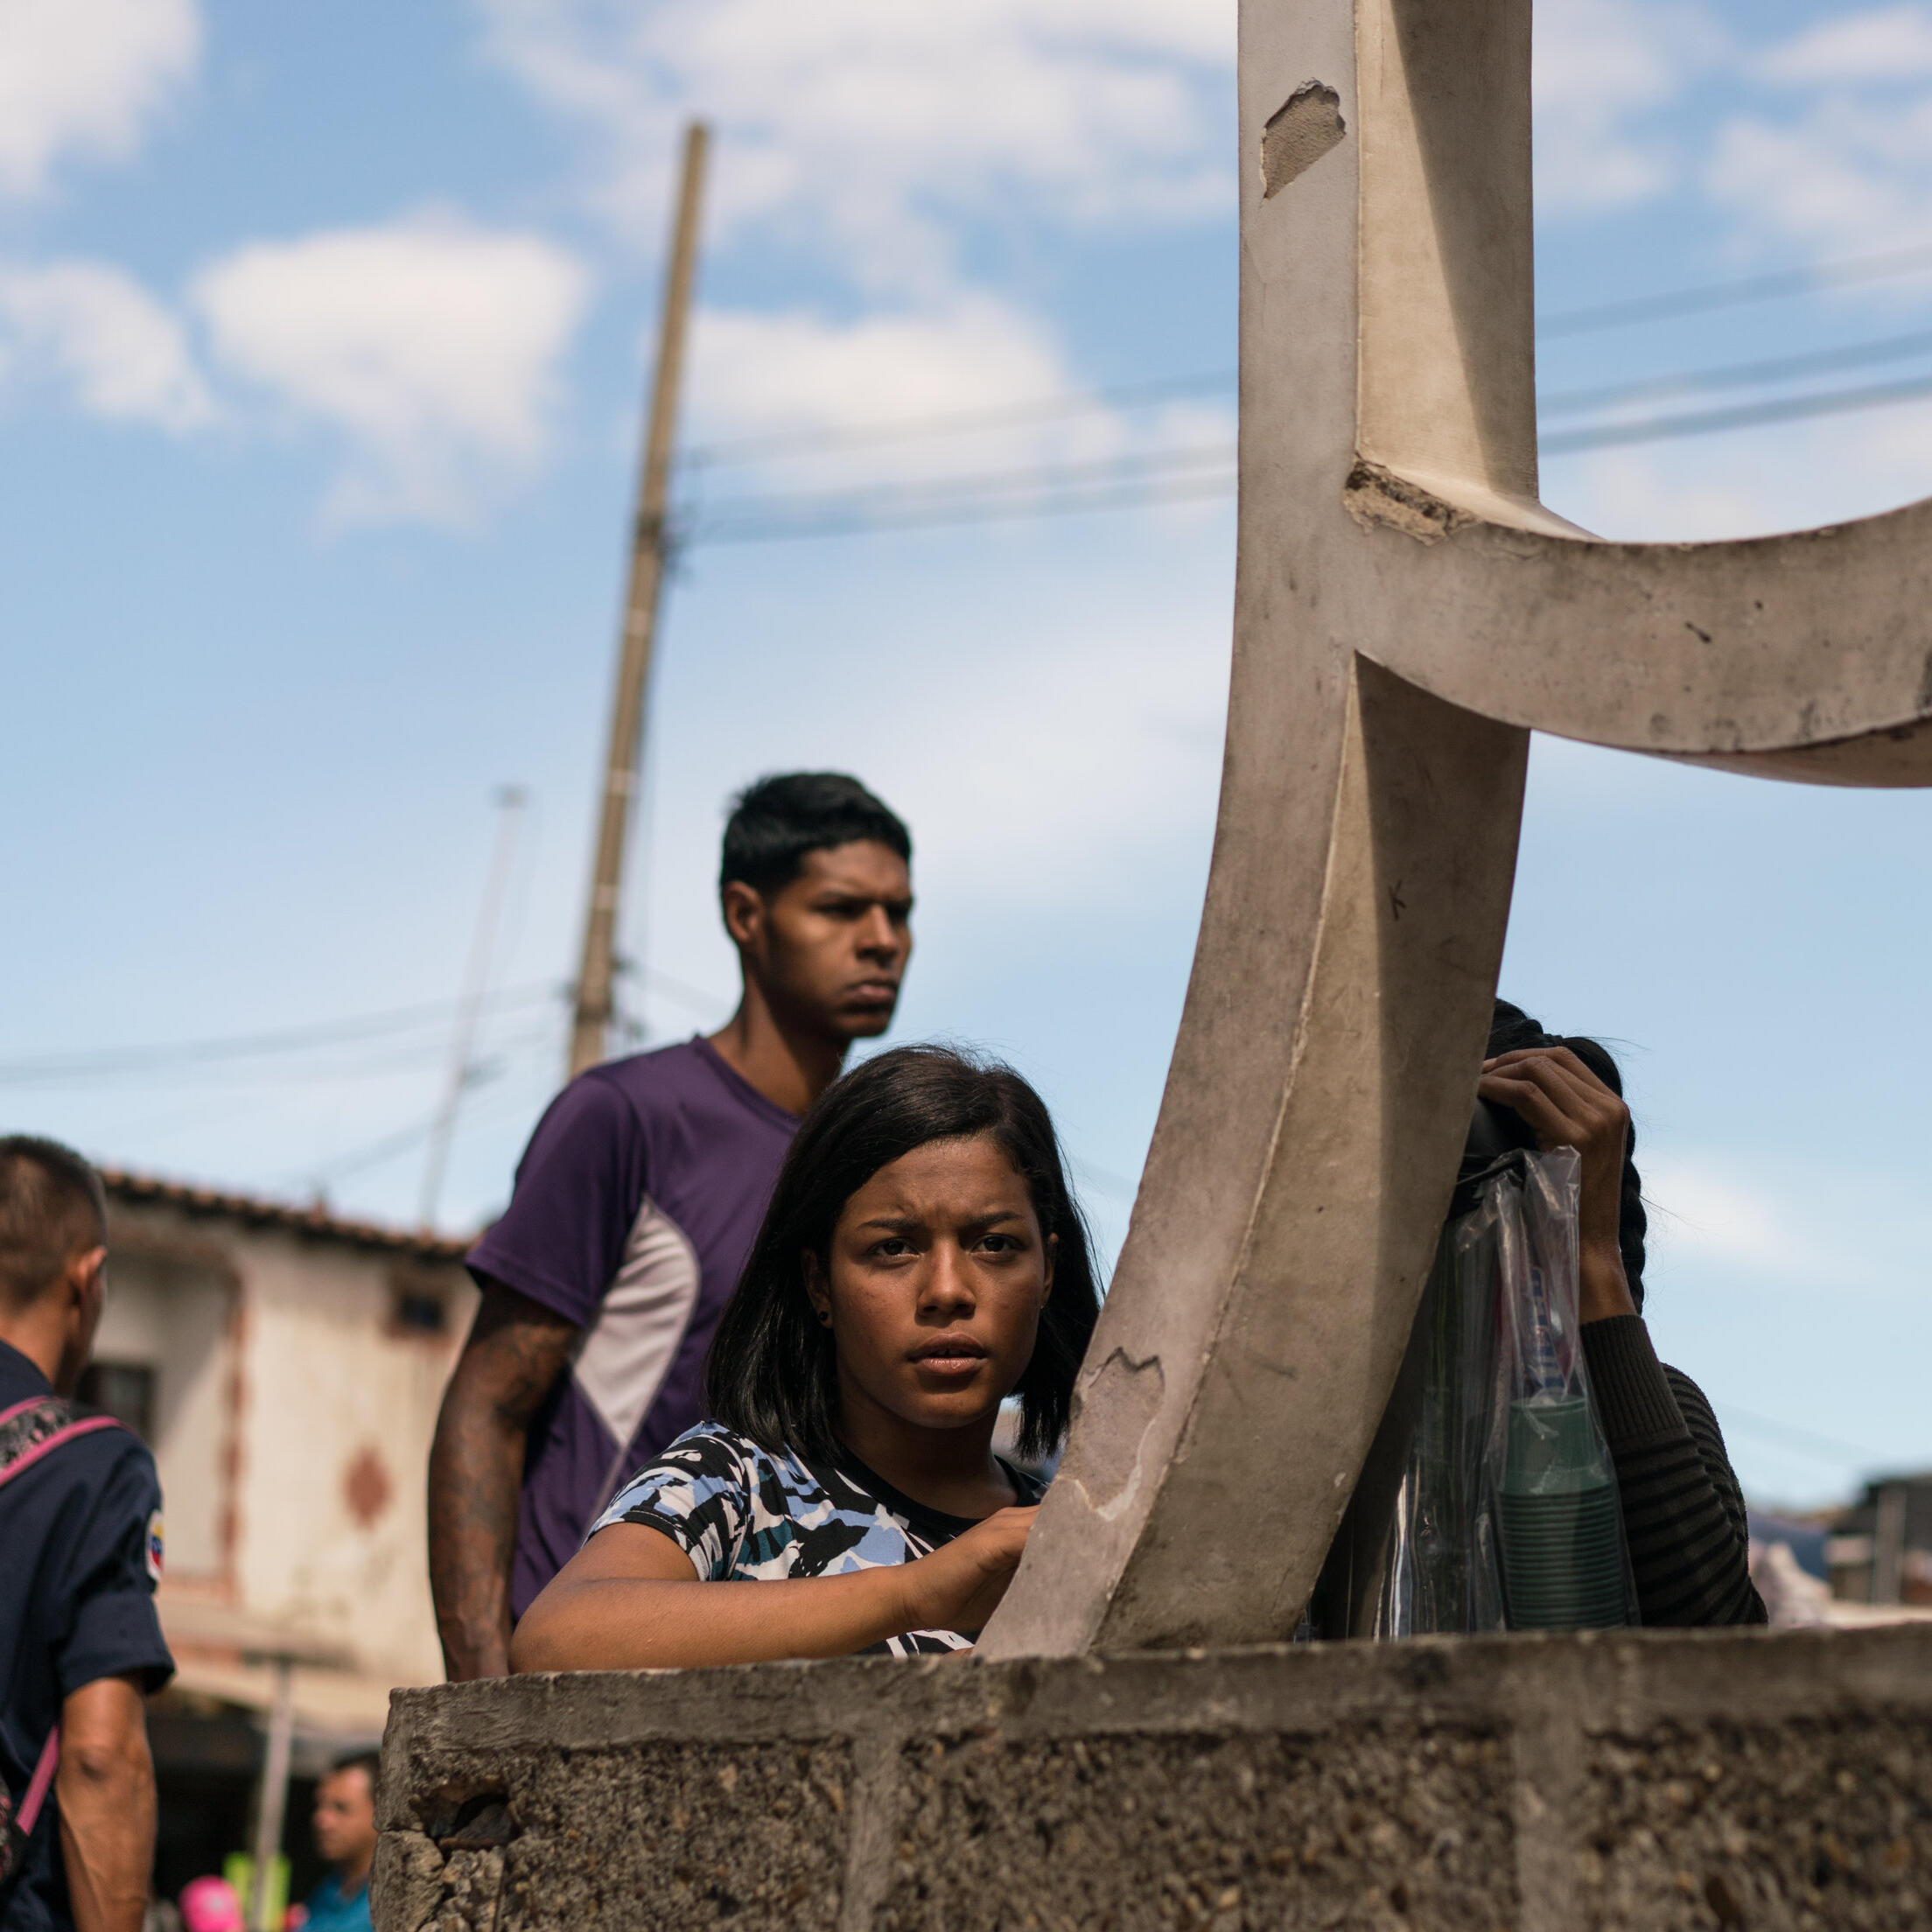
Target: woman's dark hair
[
  {"x": 1511, "y": 1029},
  {"x": 771, "y": 1373}
]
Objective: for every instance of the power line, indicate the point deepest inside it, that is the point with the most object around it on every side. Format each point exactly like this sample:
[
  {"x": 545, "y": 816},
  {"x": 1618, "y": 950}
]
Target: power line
[
  {"x": 1072, "y": 503},
  {"x": 1043, "y": 491},
  {"x": 391, "y": 1146},
  {"x": 114, "y": 1064},
  {"x": 1751, "y": 288},
  {"x": 947, "y": 492},
  {"x": 1740, "y": 374},
  {"x": 56, "y": 1068},
  {"x": 1805, "y": 1441},
  {"x": 1605, "y": 315},
  {"x": 1743, "y": 416},
  {"x": 1106, "y": 1180},
  {"x": 960, "y": 422},
  {"x": 693, "y": 999}
]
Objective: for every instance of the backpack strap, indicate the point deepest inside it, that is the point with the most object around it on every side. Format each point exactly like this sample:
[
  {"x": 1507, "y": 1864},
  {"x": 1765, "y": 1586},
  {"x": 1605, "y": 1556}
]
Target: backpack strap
[
  {"x": 29, "y": 1430},
  {"x": 40, "y": 1783},
  {"x": 30, "y": 1444}
]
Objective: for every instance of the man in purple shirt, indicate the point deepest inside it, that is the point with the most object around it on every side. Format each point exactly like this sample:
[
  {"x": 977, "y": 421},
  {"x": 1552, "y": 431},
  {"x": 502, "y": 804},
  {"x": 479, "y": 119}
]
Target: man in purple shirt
[{"x": 637, "y": 1201}]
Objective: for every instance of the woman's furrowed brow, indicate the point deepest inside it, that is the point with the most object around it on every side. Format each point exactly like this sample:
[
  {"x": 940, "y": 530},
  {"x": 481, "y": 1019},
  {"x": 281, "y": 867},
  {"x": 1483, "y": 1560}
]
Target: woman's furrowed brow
[{"x": 989, "y": 1217}]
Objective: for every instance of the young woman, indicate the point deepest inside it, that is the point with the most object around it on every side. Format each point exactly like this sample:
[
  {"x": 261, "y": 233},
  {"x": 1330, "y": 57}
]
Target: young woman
[{"x": 922, "y": 1260}]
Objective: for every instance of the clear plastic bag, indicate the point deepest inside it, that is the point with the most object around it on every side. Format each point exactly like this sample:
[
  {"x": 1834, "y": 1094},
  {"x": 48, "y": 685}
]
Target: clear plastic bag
[{"x": 1506, "y": 1516}]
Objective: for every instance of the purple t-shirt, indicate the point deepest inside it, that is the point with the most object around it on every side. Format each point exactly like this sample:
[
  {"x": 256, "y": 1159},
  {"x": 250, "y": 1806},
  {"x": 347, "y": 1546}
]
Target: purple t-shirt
[{"x": 636, "y": 1203}]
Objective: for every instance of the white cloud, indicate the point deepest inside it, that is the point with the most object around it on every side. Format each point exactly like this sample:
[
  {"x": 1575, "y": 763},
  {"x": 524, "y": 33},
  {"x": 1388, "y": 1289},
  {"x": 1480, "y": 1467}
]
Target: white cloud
[
  {"x": 85, "y": 77},
  {"x": 1845, "y": 173},
  {"x": 795, "y": 368},
  {"x": 1842, "y": 159},
  {"x": 794, "y": 371},
  {"x": 1779, "y": 477},
  {"x": 867, "y": 124},
  {"x": 94, "y": 328},
  {"x": 974, "y": 380},
  {"x": 1601, "y": 68},
  {"x": 428, "y": 345},
  {"x": 1701, "y": 1206},
  {"x": 1117, "y": 745},
  {"x": 1885, "y": 43},
  {"x": 1839, "y": 1231}
]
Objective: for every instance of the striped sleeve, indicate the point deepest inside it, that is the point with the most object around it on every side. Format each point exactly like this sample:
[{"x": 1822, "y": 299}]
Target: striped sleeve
[
  {"x": 696, "y": 1492},
  {"x": 1683, "y": 1510}
]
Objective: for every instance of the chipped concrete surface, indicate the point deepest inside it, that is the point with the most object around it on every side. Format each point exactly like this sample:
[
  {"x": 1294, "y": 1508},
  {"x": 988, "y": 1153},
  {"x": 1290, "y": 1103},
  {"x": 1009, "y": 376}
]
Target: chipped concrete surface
[
  {"x": 1630, "y": 1782},
  {"x": 1299, "y": 133},
  {"x": 1374, "y": 494}
]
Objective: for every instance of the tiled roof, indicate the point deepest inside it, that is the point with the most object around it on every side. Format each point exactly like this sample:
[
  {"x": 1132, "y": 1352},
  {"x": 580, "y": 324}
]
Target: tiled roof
[{"x": 145, "y": 1190}]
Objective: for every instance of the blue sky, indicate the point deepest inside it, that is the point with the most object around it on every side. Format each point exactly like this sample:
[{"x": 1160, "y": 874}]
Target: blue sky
[{"x": 321, "y": 341}]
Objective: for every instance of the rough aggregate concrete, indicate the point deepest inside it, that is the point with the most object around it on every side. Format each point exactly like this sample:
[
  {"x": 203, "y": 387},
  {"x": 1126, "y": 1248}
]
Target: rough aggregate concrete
[
  {"x": 1646, "y": 1781},
  {"x": 679, "y": 1835},
  {"x": 1239, "y": 1834},
  {"x": 1802, "y": 1827}
]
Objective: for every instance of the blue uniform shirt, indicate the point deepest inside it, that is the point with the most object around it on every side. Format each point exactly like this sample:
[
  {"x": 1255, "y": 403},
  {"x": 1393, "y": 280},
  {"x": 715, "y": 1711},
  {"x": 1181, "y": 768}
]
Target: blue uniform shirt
[
  {"x": 331, "y": 1909},
  {"x": 80, "y": 1531}
]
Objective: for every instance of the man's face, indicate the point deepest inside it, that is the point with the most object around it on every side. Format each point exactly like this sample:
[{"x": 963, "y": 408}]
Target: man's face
[
  {"x": 344, "y": 1818},
  {"x": 830, "y": 947}
]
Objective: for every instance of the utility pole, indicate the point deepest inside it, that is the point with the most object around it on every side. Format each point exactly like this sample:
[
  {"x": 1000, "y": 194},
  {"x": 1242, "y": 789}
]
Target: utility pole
[
  {"x": 476, "y": 984},
  {"x": 592, "y": 1016}
]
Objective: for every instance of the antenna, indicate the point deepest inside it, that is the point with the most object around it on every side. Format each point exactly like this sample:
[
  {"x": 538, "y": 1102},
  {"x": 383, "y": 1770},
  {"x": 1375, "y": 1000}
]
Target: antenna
[{"x": 509, "y": 801}]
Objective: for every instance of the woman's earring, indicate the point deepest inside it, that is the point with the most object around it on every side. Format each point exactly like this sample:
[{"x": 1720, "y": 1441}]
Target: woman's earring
[{"x": 825, "y": 1316}]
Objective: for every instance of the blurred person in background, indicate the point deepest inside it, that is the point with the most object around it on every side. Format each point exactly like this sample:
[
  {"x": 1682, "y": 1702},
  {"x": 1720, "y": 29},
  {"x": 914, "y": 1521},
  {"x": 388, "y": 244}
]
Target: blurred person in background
[
  {"x": 635, "y": 1206},
  {"x": 344, "y": 1835},
  {"x": 81, "y": 1645}
]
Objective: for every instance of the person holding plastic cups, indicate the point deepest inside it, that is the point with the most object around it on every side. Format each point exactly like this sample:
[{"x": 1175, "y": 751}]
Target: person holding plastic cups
[{"x": 1684, "y": 1513}]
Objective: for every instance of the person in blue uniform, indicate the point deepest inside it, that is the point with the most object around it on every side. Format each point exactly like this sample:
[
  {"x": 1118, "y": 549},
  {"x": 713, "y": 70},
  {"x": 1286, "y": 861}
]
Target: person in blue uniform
[{"x": 81, "y": 1645}]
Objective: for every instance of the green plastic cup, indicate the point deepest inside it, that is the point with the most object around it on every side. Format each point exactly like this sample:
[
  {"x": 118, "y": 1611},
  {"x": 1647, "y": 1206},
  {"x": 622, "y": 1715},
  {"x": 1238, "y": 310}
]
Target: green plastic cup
[{"x": 1562, "y": 1550}]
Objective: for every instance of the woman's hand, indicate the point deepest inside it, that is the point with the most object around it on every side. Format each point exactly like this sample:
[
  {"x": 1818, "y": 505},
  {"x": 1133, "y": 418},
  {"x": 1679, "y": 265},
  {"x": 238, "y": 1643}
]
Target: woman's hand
[
  {"x": 1566, "y": 1105},
  {"x": 959, "y": 1586}
]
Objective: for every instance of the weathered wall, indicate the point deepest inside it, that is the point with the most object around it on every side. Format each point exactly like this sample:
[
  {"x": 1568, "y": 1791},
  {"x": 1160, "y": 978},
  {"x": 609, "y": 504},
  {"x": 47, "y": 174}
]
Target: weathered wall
[
  {"x": 293, "y": 1423},
  {"x": 339, "y": 1410},
  {"x": 1644, "y": 1782}
]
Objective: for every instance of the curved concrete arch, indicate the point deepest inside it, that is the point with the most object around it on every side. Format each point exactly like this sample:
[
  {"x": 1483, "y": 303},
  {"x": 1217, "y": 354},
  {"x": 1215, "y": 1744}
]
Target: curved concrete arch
[{"x": 1406, "y": 610}]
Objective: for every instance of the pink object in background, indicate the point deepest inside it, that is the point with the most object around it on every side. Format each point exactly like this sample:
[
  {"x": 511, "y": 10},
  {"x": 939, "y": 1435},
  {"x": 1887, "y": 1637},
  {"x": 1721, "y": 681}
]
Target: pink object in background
[{"x": 210, "y": 1905}]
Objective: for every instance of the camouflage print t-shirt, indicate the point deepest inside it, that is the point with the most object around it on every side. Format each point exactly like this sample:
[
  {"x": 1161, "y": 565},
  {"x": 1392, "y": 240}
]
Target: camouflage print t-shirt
[{"x": 742, "y": 1513}]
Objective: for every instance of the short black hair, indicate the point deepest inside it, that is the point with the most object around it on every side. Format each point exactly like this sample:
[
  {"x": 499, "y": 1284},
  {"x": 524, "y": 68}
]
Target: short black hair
[
  {"x": 1512, "y": 1031},
  {"x": 776, "y": 821},
  {"x": 369, "y": 1763},
  {"x": 52, "y": 1206},
  {"x": 771, "y": 1373}
]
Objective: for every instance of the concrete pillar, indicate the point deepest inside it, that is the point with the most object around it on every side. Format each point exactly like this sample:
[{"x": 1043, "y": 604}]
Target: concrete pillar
[{"x": 1406, "y": 610}]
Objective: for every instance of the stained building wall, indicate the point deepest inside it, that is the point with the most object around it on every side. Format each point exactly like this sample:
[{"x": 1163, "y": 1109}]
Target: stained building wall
[{"x": 289, "y": 1380}]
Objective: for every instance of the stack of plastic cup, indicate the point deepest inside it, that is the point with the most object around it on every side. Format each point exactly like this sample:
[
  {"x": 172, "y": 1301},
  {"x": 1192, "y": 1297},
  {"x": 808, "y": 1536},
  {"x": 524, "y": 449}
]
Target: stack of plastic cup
[{"x": 1563, "y": 1563}]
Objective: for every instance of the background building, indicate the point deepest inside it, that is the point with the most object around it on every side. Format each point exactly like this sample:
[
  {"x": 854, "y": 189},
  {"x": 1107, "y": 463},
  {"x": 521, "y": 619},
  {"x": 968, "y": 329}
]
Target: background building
[
  {"x": 1882, "y": 1550},
  {"x": 286, "y": 1367}
]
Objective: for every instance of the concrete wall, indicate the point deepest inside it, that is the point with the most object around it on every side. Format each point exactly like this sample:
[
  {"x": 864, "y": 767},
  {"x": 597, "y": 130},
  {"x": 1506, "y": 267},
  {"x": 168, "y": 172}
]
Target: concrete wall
[
  {"x": 1641, "y": 1781},
  {"x": 293, "y": 1422},
  {"x": 339, "y": 1410},
  {"x": 174, "y": 1315}
]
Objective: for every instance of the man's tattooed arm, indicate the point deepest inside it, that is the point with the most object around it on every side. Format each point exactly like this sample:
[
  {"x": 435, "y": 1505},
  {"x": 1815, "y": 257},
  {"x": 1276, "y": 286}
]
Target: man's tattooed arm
[{"x": 516, "y": 1350}]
